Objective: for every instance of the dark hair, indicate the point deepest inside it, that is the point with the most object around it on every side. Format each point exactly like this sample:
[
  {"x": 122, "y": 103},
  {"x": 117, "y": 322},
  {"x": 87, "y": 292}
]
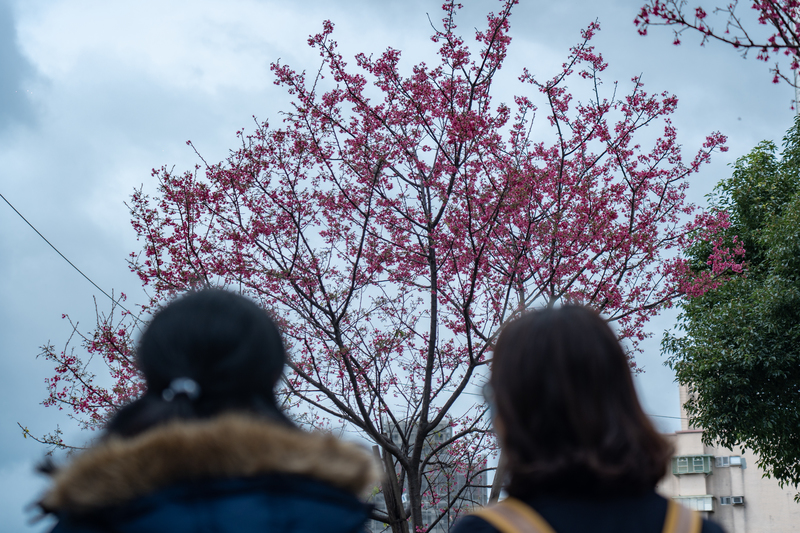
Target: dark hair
[
  {"x": 569, "y": 418},
  {"x": 222, "y": 341}
]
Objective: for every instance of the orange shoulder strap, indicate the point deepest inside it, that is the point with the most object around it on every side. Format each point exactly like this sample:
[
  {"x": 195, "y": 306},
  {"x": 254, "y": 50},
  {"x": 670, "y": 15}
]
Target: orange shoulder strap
[
  {"x": 513, "y": 516},
  {"x": 681, "y": 519}
]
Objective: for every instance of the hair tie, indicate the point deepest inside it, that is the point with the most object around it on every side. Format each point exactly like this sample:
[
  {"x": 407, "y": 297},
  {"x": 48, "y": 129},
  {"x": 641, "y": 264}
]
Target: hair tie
[{"x": 186, "y": 386}]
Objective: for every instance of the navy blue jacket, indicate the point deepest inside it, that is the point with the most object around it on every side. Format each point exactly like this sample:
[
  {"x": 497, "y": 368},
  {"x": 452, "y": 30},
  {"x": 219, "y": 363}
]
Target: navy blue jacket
[
  {"x": 233, "y": 474},
  {"x": 643, "y": 513}
]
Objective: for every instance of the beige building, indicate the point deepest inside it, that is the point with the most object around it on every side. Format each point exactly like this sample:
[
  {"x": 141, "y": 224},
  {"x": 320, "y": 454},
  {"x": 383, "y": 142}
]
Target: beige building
[{"x": 726, "y": 485}]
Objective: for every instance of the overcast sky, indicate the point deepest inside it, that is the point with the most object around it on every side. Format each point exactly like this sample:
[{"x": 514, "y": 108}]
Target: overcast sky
[{"x": 94, "y": 94}]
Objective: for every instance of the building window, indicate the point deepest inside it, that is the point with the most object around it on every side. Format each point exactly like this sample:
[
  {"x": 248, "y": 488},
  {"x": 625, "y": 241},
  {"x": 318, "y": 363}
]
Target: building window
[
  {"x": 733, "y": 460},
  {"x": 691, "y": 464},
  {"x": 731, "y": 500},
  {"x": 697, "y": 503}
]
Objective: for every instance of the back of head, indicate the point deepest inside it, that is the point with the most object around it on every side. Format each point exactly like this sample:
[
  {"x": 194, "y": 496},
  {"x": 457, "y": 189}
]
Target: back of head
[
  {"x": 219, "y": 341},
  {"x": 568, "y": 415}
]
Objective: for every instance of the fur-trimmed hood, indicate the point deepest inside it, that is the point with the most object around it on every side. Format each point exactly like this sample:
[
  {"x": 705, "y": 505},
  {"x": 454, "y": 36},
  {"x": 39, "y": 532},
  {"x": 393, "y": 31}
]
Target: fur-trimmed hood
[{"x": 230, "y": 446}]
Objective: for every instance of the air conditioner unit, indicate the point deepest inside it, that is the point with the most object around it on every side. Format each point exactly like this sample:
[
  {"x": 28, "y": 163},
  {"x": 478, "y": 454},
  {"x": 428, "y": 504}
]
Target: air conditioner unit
[{"x": 737, "y": 500}]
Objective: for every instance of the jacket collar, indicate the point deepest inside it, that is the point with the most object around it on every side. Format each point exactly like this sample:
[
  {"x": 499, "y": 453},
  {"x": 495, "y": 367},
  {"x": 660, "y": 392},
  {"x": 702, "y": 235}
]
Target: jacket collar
[{"x": 119, "y": 470}]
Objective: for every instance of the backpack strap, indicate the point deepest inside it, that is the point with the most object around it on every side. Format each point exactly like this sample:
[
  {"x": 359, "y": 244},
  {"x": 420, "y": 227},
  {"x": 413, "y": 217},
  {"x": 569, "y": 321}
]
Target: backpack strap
[
  {"x": 514, "y": 516},
  {"x": 681, "y": 519}
]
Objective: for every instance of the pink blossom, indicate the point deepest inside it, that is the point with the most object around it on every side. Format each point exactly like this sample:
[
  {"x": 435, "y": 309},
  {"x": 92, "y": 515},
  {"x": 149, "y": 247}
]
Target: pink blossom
[{"x": 395, "y": 218}]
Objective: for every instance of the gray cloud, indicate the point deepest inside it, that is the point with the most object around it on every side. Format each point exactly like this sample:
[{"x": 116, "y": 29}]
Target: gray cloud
[
  {"x": 121, "y": 86},
  {"x": 15, "y": 73}
]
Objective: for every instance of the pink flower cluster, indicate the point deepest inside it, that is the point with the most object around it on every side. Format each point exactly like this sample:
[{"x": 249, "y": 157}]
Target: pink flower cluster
[
  {"x": 393, "y": 222},
  {"x": 782, "y": 17}
]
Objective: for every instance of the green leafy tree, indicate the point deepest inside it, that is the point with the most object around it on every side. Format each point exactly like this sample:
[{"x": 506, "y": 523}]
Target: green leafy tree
[{"x": 738, "y": 346}]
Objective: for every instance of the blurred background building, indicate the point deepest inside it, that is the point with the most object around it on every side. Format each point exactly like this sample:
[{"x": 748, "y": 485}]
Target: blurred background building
[
  {"x": 443, "y": 482},
  {"x": 726, "y": 486}
]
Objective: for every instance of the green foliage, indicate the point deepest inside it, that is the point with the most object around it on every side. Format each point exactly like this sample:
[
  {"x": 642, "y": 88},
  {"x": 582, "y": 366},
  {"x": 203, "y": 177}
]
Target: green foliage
[{"x": 739, "y": 351}]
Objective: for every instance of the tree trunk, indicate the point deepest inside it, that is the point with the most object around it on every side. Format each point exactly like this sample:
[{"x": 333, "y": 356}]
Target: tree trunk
[
  {"x": 392, "y": 494},
  {"x": 499, "y": 477},
  {"x": 415, "y": 499}
]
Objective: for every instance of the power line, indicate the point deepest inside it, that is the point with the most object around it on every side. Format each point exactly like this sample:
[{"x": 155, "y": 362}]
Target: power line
[
  {"x": 138, "y": 319},
  {"x": 116, "y": 302},
  {"x": 665, "y": 416}
]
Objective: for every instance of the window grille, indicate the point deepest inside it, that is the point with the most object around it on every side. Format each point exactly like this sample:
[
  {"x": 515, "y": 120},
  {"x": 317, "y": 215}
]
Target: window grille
[
  {"x": 697, "y": 503},
  {"x": 691, "y": 464},
  {"x": 733, "y": 460},
  {"x": 731, "y": 500}
]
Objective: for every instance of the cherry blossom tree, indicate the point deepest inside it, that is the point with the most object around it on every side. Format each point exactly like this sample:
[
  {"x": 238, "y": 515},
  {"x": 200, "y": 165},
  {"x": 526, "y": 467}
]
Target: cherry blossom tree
[
  {"x": 393, "y": 222},
  {"x": 779, "y": 37}
]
